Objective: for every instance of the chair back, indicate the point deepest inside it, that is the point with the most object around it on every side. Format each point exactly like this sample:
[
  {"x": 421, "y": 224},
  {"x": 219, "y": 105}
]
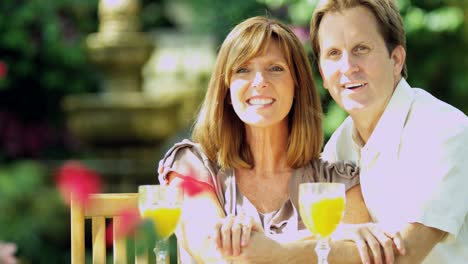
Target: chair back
[{"x": 100, "y": 207}]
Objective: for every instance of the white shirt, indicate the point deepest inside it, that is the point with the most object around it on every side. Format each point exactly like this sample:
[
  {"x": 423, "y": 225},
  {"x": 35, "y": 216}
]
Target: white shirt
[{"x": 414, "y": 167}]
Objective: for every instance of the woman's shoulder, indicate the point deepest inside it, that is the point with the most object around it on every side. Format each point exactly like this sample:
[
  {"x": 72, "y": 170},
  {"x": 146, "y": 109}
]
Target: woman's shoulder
[
  {"x": 319, "y": 170},
  {"x": 184, "y": 148},
  {"x": 186, "y": 158}
]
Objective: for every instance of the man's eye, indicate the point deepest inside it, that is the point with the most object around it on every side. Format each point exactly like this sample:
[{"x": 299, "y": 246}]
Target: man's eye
[
  {"x": 333, "y": 53},
  {"x": 361, "y": 49}
]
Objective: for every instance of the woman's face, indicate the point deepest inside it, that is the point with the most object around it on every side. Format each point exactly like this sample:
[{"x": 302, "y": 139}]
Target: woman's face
[{"x": 262, "y": 89}]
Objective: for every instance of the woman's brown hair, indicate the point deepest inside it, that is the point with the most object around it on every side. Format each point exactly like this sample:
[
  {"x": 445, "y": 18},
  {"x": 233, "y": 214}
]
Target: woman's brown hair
[{"x": 219, "y": 130}]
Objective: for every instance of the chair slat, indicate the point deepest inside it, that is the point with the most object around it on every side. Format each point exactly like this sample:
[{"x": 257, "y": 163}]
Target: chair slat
[
  {"x": 120, "y": 245},
  {"x": 77, "y": 233},
  {"x": 100, "y": 207},
  {"x": 99, "y": 239},
  {"x": 142, "y": 258},
  {"x": 110, "y": 204}
]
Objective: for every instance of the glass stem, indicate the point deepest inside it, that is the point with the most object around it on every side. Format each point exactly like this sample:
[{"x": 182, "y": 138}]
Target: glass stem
[
  {"x": 161, "y": 250},
  {"x": 322, "y": 249}
]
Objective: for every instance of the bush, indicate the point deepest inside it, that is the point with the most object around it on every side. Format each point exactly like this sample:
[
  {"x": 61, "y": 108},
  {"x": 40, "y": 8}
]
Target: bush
[{"x": 33, "y": 215}]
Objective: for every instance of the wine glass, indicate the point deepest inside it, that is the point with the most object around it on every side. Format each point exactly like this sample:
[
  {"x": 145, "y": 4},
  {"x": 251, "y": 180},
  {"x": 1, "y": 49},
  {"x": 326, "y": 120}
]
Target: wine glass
[
  {"x": 161, "y": 205},
  {"x": 321, "y": 206}
]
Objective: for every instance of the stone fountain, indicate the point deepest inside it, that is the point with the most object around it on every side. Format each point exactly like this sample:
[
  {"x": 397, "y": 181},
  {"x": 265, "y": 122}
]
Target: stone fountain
[{"x": 124, "y": 126}]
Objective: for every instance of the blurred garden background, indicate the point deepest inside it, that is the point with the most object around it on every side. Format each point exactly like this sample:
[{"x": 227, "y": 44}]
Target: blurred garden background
[{"x": 112, "y": 84}]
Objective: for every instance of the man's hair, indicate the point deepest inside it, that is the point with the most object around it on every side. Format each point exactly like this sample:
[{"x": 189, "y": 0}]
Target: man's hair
[
  {"x": 386, "y": 12},
  {"x": 219, "y": 130}
]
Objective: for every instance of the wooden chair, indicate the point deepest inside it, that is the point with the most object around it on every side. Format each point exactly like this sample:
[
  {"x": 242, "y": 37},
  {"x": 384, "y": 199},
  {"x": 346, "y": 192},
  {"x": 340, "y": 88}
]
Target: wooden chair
[{"x": 101, "y": 206}]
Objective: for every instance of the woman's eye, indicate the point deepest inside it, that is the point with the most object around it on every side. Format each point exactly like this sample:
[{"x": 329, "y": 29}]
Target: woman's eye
[
  {"x": 242, "y": 70},
  {"x": 277, "y": 68}
]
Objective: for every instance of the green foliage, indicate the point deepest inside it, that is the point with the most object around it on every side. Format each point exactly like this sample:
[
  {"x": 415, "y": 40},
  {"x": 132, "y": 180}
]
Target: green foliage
[
  {"x": 32, "y": 215},
  {"x": 437, "y": 37},
  {"x": 216, "y": 17},
  {"x": 42, "y": 44}
]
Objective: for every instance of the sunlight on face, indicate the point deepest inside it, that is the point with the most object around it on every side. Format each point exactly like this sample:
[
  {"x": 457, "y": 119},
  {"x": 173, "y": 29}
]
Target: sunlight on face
[
  {"x": 354, "y": 62},
  {"x": 262, "y": 89}
]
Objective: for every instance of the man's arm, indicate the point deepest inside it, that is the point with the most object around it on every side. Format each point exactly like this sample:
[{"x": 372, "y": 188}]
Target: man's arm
[
  {"x": 355, "y": 208},
  {"x": 346, "y": 252},
  {"x": 419, "y": 240},
  {"x": 262, "y": 249}
]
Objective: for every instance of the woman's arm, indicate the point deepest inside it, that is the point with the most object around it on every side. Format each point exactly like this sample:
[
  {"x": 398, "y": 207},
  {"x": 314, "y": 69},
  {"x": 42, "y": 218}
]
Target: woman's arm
[{"x": 200, "y": 215}]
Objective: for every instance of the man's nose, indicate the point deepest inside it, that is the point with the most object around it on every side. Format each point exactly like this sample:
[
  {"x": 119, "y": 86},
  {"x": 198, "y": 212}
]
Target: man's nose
[{"x": 348, "y": 64}]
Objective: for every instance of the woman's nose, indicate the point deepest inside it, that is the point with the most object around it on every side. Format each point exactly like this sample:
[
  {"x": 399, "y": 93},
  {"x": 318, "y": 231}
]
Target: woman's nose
[{"x": 259, "y": 80}]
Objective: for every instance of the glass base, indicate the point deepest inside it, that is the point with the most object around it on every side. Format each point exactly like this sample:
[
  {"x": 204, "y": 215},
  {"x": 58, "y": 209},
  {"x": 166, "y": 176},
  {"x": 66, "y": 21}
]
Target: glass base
[
  {"x": 161, "y": 251},
  {"x": 322, "y": 249}
]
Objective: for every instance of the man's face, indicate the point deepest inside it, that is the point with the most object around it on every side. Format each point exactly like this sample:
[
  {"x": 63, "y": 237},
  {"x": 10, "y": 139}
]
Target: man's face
[{"x": 354, "y": 62}]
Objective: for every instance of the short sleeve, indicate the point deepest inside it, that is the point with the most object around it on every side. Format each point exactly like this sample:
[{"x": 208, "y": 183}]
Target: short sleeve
[
  {"x": 346, "y": 172},
  {"x": 186, "y": 158},
  {"x": 442, "y": 202}
]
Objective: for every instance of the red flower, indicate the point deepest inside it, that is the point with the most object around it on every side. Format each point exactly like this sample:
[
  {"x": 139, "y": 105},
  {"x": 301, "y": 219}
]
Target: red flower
[
  {"x": 129, "y": 221},
  {"x": 3, "y": 69},
  {"x": 74, "y": 177}
]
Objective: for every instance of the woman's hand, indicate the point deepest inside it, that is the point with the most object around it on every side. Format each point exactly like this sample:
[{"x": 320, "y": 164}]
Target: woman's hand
[
  {"x": 372, "y": 236},
  {"x": 233, "y": 232}
]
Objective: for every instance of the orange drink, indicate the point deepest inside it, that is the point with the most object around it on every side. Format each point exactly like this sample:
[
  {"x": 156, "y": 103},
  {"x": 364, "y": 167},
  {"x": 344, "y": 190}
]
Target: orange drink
[
  {"x": 165, "y": 219},
  {"x": 161, "y": 205},
  {"x": 323, "y": 216},
  {"x": 321, "y": 205}
]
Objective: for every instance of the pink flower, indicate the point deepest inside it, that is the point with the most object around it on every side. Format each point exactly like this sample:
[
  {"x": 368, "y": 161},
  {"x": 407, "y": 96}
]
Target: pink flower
[
  {"x": 74, "y": 177},
  {"x": 3, "y": 69},
  {"x": 129, "y": 222},
  {"x": 192, "y": 186}
]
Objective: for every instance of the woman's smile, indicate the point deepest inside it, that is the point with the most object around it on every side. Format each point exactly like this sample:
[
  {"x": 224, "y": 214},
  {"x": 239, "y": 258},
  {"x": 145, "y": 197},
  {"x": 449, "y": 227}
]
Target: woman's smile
[{"x": 260, "y": 101}]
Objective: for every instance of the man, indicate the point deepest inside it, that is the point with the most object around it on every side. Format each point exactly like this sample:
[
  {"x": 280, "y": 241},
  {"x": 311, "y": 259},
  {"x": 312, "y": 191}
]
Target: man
[{"x": 411, "y": 147}]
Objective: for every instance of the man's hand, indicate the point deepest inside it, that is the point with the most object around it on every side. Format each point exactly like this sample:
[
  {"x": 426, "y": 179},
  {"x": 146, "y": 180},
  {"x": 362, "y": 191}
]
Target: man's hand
[{"x": 382, "y": 242}]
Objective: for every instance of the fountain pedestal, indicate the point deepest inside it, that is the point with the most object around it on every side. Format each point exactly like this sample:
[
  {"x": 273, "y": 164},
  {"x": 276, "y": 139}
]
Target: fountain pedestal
[{"x": 123, "y": 127}]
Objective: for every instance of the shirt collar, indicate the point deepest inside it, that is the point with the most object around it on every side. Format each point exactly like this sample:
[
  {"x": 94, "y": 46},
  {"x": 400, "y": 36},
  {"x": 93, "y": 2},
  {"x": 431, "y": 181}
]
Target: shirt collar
[{"x": 387, "y": 133}]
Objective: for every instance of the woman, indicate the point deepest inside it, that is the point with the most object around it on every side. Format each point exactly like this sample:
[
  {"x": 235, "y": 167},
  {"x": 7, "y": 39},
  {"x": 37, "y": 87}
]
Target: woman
[{"x": 257, "y": 137}]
